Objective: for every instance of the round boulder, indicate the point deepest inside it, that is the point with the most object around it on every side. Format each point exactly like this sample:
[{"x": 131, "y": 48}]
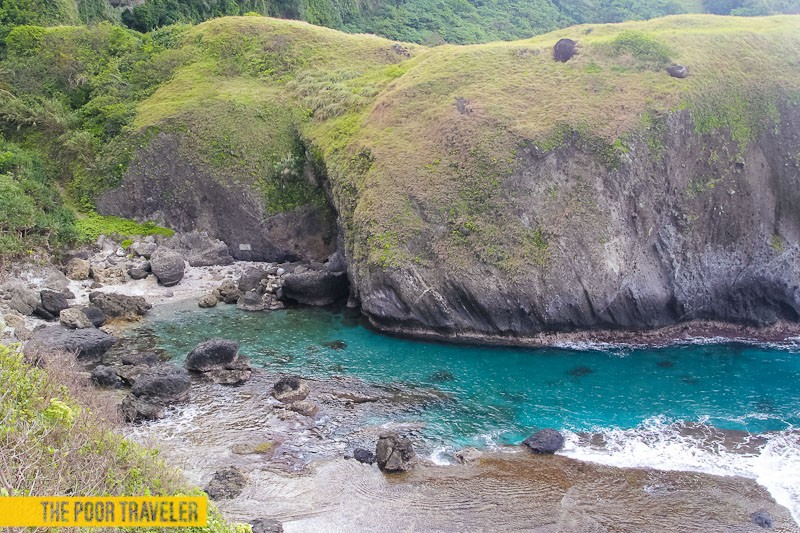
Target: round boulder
[
  {"x": 545, "y": 441},
  {"x": 564, "y": 50},
  {"x": 208, "y": 301},
  {"x": 678, "y": 71},
  {"x": 290, "y": 389},
  {"x": 168, "y": 267}
]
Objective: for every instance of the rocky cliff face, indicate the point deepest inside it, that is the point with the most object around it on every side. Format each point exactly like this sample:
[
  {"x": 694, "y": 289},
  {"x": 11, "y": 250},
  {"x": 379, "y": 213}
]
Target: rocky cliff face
[{"x": 675, "y": 227}]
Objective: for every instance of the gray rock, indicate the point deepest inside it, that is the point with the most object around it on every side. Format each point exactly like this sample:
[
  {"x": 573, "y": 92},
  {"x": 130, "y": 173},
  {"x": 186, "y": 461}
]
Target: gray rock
[
  {"x": 104, "y": 376},
  {"x": 226, "y": 484},
  {"x": 95, "y": 315},
  {"x": 545, "y": 441},
  {"x": 130, "y": 373},
  {"x": 468, "y": 455},
  {"x": 678, "y": 71},
  {"x": 364, "y": 456},
  {"x": 290, "y": 389},
  {"x": 211, "y": 354},
  {"x": 200, "y": 249},
  {"x": 266, "y": 525},
  {"x": 120, "y": 305},
  {"x": 113, "y": 275},
  {"x": 761, "y": 519},
  {"x": 75, "y": 318},
  {"x": 168, "y": 266},
  {"x": 143, "y": 249},
  {"x": 77, "y": 269},
  {"x": 154, "y": 390},
  {"x": 564, "y": 50},
  {"x": 141, "y": 358},
  {"x": 251, "y": 279},
  {"x": 315, "y": 287},
  {"x": 87, "y": 344},
  {"x": 19, "y": 297},
  {"x": 394, "y": 454},
  {"x": 228, "y": 292},
  {"x": 233, "y": 373},
  {"x": 53, "y": 302},
  {"x": 251, "y": 301},
  {"x": 208, "y": 301},
  {"x": 138, "y": 273},
  {"x": 304, "y": 407}
]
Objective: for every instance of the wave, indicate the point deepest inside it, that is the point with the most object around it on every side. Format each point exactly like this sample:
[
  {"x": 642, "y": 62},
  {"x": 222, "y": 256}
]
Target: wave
[{"x": 771, "y": 459}]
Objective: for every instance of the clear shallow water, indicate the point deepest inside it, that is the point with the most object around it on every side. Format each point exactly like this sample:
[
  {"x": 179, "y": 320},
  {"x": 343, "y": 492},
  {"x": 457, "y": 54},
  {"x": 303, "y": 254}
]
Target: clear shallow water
[{"x": 658, "y": 407}]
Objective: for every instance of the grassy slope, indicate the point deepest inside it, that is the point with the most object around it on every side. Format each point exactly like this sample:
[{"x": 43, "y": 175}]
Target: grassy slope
[{"x": 252, "y": 94}]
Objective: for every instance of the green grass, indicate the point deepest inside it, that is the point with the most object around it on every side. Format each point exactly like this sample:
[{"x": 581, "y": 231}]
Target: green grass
[{"x": 91, "y": 225}]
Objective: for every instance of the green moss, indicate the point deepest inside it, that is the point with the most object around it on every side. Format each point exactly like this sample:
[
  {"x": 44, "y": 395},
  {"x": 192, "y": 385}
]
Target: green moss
[{"x": 777, "y": 243}]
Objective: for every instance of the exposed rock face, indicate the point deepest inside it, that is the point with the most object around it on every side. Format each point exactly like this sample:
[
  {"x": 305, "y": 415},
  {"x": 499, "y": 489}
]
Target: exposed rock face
[
  {"x": 645, "y": 241},
  {"x": 545, "y": 441},
  {"x": 315, "y": 287},
  {"x": 75, "y": 318},
  {"x": 168, "y": 266},
  {"x": 290, "y": 389},
  {"x": 120, "y": 305},
  {"x": 87, "y": 344},
  {"x": 19, "y": 297},
  {"x": 163, "y": 185},
  {"x": 113, "y": 275},
  {"x": 200, "y": 249},
  {"x": 219, "y": 360},
  {"x": 564, "y": 49},
  {"x": 154, "y": 390},
  {"x": 394, "y": 454},
  {"x": 226, "y": 484}
]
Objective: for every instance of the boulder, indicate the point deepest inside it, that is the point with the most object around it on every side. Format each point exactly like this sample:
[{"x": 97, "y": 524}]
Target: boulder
[
  {"x": 761, "y": 519},
  {"x": 113, "y": 275},
  {"x": 219, "y": 361},
  {"x": 75, "y": 318},
  {"x": 208, "y": 301},
  {"x": 87, "y": 344},
  {"x": 304, "y": 407},
  {"x": 251, "y": 279},
  {"x": 130, "y": 373},
  {"x": 137, "y": 273},
  {"x": 168, "y": 266},
  {"x": 251, "y": 301},
  {"x": 564, "y": 50},
  {"x": 266, "y": 525},
  {"x": 228, "y": 292},
  {"x": 19, "y": 297},
  {"x": 77, "y": 269},
  {"x": 95, "y": 315},
  {"x": 290, "y": 389},
  {"x": 143, "y": 248},
  {"x": 234, "y": 373},
  {"x": 678, "y": 71},
  {"x": 226, "y": 484},
  {"x": 315, "y": 287},
  {"x": 105, "y": 376},
  {"x": 120, "y": 305},
  {"x": 200, "y": 249},
  {"x": 53, "y": 302},
  {"x": 155, "y": 390},
  {"x": 545, "y": 441},
  {"x": 364, "y": 456},
  {"x": 393, "y": 453}
]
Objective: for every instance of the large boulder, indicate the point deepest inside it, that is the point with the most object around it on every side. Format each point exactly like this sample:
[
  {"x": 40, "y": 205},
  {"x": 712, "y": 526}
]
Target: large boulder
[
  {"x": 143, "y": 248},
  {"x": 678, "y": 71},
  {"x": 545, "y": 441},
  {"x": 315, "y": 287},
  {"x": 77, "y": 269},
  {"x": 75, "y": 318},
  {"x": 228, "y": 292},
  {"x": 226, "y": 484},
  {"x": 155, "y": 390},
  {"x": 87, "y": 344},
  {"x": 168, "y": 266},
  {"x": 200, "y": 249},
  {"x": 251, "y": 301},
  {"x": 208, "y": 301},
  {"x": 290, "y": 389},
  {"x": 564, "y": 49},
  {"x": 120, "y": 305},
  {"x": 95, "y": 315},
  {"x": 219, "y": 361},
  {"x": 53, "y": 302},
  {"x": 105, "y": 376},
  {"x": 19, "y": 297},
  {"x": 393, "y": 453}
]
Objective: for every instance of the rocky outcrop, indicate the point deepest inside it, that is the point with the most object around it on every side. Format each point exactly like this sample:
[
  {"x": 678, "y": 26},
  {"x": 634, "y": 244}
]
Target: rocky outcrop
[
  {"x": 168, "y": 266},
  {"x": 393, "y": 453},
  {"x": 545, "y": 441},
  {"x": 228, "y": 292},
  {"x": 315, "y": 287},
  {"x": 105, "y": 376},
  {"x": 86, "y": 344},
  {"x": 219, "y": 360},
  {"x": 200, "y": 249},
  {"x": 17, "y": 296},
  {"x": 120, "y": 305},
  {"x": 154, "y": 391}
]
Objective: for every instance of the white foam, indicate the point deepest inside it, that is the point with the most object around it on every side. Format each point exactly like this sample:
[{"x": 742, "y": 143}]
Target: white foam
[{"x": 662, "y": 444}]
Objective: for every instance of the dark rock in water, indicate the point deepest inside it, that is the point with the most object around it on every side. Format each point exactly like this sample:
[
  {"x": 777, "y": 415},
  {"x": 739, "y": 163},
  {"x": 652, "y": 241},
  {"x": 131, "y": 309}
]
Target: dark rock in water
[
  {"x": 95, "y": 315},
  {"x": 545, "y": 441},
  {"x": 441, "y": 376},
  {"x": 142, "y": 358},
  {"x": 105, "y": 376},
  {"x": 226, "y": 484},
  {"x": 564, "y": 50},
  {"x": 580, "y": 371},
  {"x": 315, "y": 287},
  {"x": 762, "y": 519},
  {"x": 266, "y": 525},
  {"x": 364, "y": 456},
  {"x": 168, "y": 266},
  {"x": 154, "y": 390},
  {"x": 394, "y": 454},
  {"x": 87, "y": 344},
  {"x": 665, "y": 364},
  {"x": 228, "y": 292},
  {"x": 120, "y": 305},
  {"x": 53, "y": 302},
  {"x": 251, "y": 279},
  {"x": 210, "y": 354},
  {"x": 678, "y": 71},
  {"x": 290, "y": 389},
  {"x": 335, "y": 345}
]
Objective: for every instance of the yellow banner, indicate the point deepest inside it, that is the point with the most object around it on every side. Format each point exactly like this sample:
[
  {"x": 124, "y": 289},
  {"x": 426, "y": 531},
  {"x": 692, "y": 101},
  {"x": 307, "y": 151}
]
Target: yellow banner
[{"x": 135, "y": 511}]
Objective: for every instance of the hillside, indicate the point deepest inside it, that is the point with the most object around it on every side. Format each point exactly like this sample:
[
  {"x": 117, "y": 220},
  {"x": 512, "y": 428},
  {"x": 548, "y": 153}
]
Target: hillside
[{"x": 481, "y": 190}]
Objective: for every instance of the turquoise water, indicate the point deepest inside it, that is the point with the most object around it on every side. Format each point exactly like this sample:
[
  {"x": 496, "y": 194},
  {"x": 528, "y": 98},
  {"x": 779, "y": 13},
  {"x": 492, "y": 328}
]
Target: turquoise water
[{"x": 499, "y": 395}]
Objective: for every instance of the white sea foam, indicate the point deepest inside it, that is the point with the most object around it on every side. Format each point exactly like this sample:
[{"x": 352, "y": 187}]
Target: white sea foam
[{"x": 772, "y": 460}]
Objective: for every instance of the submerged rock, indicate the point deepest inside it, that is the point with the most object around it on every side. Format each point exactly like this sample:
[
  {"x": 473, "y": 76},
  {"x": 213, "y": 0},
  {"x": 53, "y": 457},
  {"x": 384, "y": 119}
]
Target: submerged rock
[
  {"x": 393, "y": 453},
  {"x": 545, "y": 441},
  {"x": 290, "y": 389},
  {"x": 226, "y": 484},
  {"x": 155, "y": 390}
]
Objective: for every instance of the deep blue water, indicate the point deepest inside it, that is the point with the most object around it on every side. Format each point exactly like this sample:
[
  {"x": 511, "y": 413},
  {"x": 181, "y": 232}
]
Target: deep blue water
[{"x": 502, "y": 394}]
